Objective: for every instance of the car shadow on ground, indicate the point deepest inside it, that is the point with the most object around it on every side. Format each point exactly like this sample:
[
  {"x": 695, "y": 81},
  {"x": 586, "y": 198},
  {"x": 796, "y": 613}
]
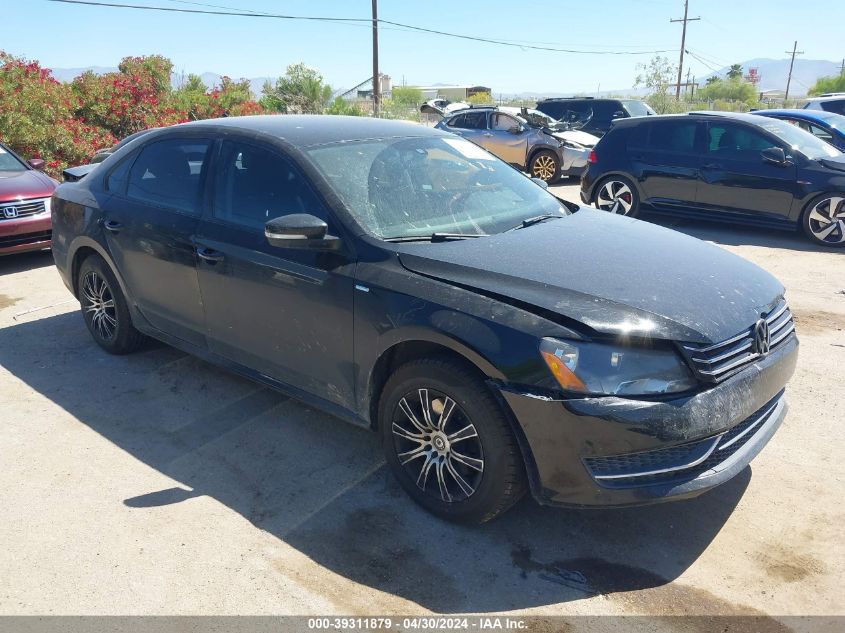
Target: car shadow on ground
[
  {"x": 320, "y": 485},
  {"x": 739, "y": 235},
  {"x": 20, "y": 262}
]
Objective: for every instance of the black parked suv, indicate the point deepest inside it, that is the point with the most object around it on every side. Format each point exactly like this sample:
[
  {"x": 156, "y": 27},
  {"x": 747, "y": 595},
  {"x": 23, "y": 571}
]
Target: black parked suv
[
  {"x": 718, "y": 166},
  {"x": 592, "y": 115}
]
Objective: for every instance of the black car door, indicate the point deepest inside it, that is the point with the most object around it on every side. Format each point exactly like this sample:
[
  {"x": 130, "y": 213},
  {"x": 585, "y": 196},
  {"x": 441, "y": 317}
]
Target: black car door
[
  {"x": 665, "y": 158},
  {"x": 149, "y": 223},
  {"x": 736, "y": 179},
  {"x": 285, "y": 313}
]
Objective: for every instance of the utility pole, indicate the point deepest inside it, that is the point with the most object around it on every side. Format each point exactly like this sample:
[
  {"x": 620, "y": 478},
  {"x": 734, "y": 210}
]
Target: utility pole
[
  {"x": 376, "y": 78},
  {"x": 683, "y": 43},
  {"x": 687, "y": 83},
  {"x": 795, "y": 52}
]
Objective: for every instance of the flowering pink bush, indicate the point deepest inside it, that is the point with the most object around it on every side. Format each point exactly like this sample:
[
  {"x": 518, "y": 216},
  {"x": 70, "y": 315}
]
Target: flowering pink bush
[{"x": 65, "y": 124}]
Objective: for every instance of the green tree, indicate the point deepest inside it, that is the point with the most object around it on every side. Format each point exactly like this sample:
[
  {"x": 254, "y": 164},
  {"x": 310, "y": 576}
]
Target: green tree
[
  {"x": 342, "y": 106},
  {"x": 731, "y": 90},
  {"x": 658, "y": 76},
  {"x": 480, "y": 98},
  {"x": 735, "y": 71},
  {"x": 712, "y": 79},
  {"x": 406, "y": 96},
  {"x": 828, "y": 84},
  {"x": 301, "y": 91}
]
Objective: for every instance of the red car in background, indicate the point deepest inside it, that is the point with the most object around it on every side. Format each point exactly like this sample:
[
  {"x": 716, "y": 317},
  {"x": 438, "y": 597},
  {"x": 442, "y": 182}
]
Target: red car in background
[{"x": 24, "y": 204}]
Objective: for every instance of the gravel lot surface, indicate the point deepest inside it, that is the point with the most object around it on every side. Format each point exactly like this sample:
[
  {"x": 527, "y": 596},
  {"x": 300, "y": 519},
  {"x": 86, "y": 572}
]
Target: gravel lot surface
[{"x": 156, "y": 483}]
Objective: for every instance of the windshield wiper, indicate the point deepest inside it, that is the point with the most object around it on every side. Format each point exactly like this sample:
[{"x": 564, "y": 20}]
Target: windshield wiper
[
  {"x": 535, "y": 220},
  {"x": 432, "y": 237}
]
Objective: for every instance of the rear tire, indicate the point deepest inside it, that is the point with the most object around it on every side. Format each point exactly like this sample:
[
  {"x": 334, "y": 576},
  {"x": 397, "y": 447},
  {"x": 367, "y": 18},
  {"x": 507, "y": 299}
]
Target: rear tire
[
  {"x": 458, "y": 457},
  {"x": 104, "y": 308},
  {"x": 617, "y": 194},
  {"x": 823, "y": 220}
]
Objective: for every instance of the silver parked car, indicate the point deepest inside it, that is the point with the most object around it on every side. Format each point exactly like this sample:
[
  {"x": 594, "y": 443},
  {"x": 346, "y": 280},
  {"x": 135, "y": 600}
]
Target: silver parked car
[{"x": 528, "y": 139}]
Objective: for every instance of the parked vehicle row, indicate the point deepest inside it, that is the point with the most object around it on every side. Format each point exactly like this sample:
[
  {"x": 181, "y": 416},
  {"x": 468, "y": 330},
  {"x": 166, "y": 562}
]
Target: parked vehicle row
[
  {"x": 527, "y": 139},
  {"x": 739, "y": 168},
  {"x": 406, "y": 280}
]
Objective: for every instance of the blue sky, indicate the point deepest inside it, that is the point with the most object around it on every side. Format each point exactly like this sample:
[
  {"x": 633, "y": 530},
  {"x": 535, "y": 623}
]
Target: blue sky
[{"x": 75, "y": 36}]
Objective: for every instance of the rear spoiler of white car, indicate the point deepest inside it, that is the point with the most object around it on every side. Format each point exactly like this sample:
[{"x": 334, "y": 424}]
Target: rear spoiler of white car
[{"x": 74, "y": 174}]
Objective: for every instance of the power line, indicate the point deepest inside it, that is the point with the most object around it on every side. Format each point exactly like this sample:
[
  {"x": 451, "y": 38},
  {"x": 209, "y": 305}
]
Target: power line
[
  {"x": 795, "y": 52},
  {"x": 367, "y": 21},
  {"x": 685, "y": 20}
]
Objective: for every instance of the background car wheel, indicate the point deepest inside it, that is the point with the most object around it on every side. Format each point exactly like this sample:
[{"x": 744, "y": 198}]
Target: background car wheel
[
  {"x": 545, "y": 165},
  {"x": 448, "y": 443},
  {"x": 824, "y": 220},
  {"x": 617, "y": 195},
  {"x": 104, "y": 308}
]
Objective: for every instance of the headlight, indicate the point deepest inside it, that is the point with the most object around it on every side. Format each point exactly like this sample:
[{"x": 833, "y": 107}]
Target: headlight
[
  {"x": 602, "y": 369},
  {"x": 572, "y": 145},
  {"x": 47, "y": 203}
]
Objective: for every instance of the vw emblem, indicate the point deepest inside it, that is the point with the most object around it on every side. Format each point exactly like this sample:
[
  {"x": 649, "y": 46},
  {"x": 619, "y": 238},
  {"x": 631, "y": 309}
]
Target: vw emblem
[
  {"x": 10, "y": 212},
  {"x": 762, "y": 338}
]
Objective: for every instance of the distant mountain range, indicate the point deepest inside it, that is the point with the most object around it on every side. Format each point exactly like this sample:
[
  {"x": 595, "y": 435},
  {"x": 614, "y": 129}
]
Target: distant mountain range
[{"x": 772, "y": 72}]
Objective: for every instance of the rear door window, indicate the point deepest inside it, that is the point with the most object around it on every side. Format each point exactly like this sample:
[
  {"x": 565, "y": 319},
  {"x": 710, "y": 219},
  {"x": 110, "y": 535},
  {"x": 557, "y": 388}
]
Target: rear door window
[
  {"x": 168, "y": 173},
  {"x": 673, "y": 136}
]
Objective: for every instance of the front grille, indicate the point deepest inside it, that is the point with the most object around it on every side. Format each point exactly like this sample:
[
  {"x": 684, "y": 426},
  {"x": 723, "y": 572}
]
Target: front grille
[
  {"x": 22, "y": 208},
  {"x": 25, "y": 238},
  {"x": 717, "y": 362},
  {"x": 678, "y": 463}
]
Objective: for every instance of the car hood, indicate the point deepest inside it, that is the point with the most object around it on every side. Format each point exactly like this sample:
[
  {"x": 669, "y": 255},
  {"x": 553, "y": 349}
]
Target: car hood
[
  {"x": 616, "y": 275},
  {"x": 18, "y": 185},
  {"x": 582, "y": 138}
]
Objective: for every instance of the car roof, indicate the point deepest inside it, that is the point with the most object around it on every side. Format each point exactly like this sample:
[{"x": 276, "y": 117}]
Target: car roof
[
  {"x": 698, "y": 114},
  {"x": 831, "y": 97},
  {"x": 306, "y": 130},
  {"x": 816, "y": 115}
]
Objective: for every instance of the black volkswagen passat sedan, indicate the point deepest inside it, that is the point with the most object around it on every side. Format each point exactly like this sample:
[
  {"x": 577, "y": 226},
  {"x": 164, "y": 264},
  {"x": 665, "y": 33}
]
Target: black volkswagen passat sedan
[
  {"x": 719, "y": 166},
  {"x": 406, "y": 280}
]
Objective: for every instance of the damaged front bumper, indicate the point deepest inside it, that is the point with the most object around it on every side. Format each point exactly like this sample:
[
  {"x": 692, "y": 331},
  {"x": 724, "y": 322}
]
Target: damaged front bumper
[{"x": 613, "y": 451}]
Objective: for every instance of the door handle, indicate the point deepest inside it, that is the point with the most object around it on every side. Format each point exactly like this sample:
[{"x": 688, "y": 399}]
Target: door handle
[
  {"x": 112, "y": 226},
  {"x": 711, "y": 166},
  {"x": 209, "y": 255},
  {"x": 487, "y": 134}
]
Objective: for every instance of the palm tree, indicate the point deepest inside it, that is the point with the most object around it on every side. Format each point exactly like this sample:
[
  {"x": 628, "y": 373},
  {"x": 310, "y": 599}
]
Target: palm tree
[
  {"x": 735, "y": 71},
  {"x": 713, "y": 79}
]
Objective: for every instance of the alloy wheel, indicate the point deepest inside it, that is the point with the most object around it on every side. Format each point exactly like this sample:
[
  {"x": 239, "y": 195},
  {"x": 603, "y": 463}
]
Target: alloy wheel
[
  {"x": 437, "y": 445},
  {"x": 544, "y": 167},
  {"x": 827, "y": 220},
  {"x": 615, "y": 197},
  {"x": 98, "y": 305}
]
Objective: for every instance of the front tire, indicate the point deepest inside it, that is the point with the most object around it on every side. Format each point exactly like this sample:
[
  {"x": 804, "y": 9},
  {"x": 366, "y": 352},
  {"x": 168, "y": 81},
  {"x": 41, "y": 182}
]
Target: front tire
[
  {"x": 823, "y": 220},
  {"x": 617, "y": 194},
  {"x": 448, "y": 442},
  {"x": 545, "y": 165},
  {"x": 104, "y": 308}
]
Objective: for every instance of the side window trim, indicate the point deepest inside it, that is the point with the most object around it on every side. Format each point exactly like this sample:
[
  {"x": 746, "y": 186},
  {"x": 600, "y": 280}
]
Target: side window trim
[{"x": 130, "y": 160}]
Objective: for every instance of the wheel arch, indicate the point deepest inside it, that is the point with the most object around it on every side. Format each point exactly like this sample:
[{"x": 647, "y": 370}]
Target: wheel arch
[
  {"x": 83, "y": 248},
  {"x": 428, "y": 345}
]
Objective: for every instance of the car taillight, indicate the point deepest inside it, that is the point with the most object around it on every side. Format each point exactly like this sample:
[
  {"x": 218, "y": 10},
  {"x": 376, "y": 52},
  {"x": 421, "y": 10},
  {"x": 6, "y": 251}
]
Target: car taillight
[{"x": 592, "y": 158}]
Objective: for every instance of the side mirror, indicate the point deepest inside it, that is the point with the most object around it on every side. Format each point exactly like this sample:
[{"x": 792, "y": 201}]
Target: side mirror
[
  {"x": 299, "y": 230},
  {"x": 36, "y": 163},
  {"x": 775, "y": 156},
  {"x": 619, "y": 114},
  {"x": 541, "y": 182},
  {"x": 516, "y": 129}
]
